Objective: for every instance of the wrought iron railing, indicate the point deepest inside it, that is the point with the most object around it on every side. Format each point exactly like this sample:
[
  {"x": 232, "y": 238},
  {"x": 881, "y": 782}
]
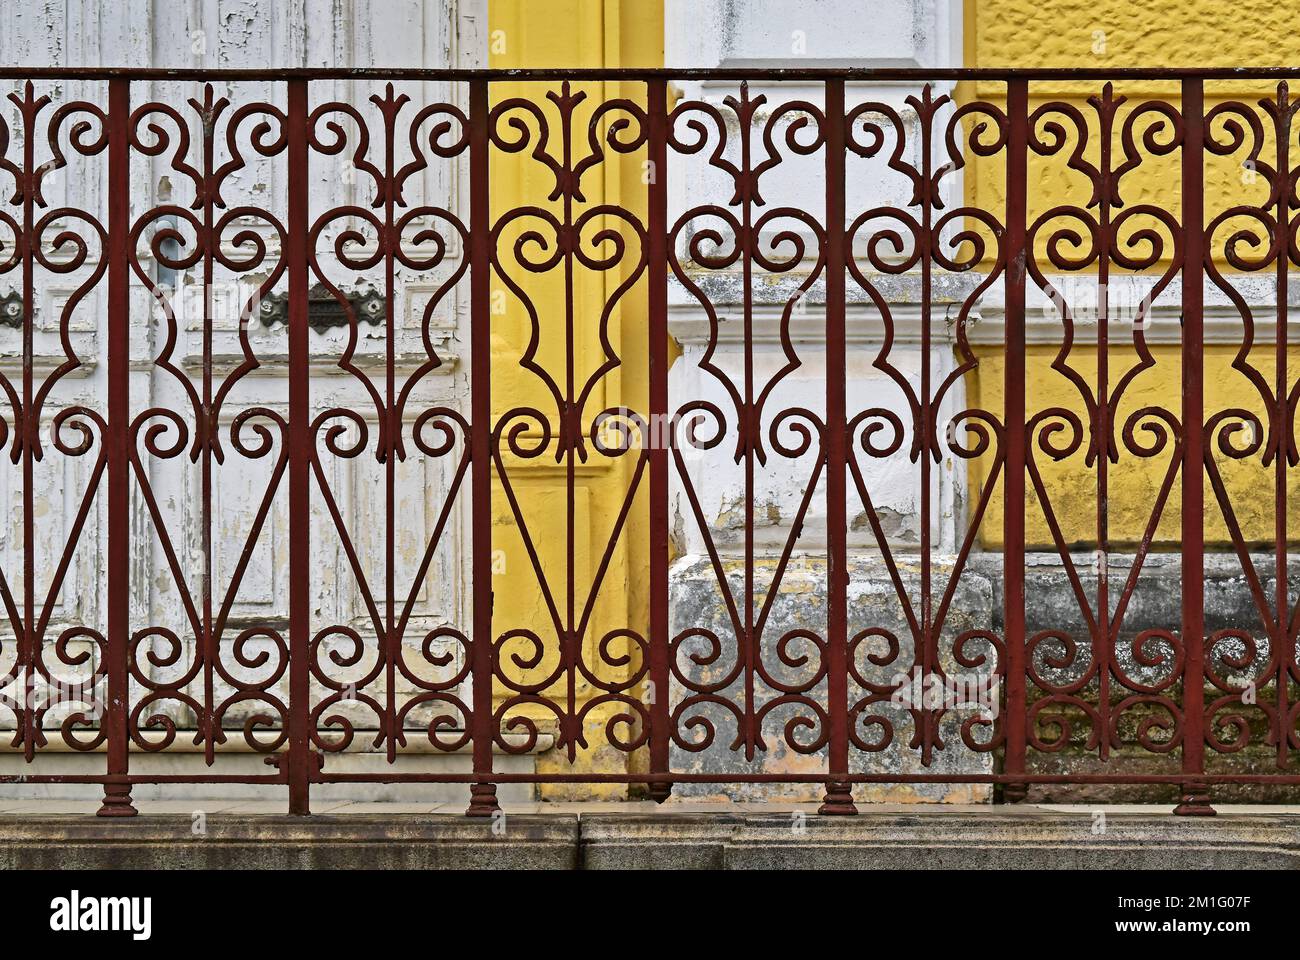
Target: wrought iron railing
[{"x": 802, "y": 553}]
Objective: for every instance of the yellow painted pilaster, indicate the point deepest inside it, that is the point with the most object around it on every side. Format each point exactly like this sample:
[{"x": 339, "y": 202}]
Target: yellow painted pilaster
[{"x": 570, "y": 34}]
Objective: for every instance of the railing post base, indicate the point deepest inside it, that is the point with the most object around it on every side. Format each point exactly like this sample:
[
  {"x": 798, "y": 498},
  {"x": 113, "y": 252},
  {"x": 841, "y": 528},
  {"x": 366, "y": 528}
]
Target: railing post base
[
  {"x": 1196, "y": 801},
  {"x": 482, "y": 800},
  {"x": 1015, "y": 792},
  {"x": 660, "y": 791},
  {"x": 838, "y": 801},
  {"x": 299, "y": 802},
  {"x": 117, "y": 801}
]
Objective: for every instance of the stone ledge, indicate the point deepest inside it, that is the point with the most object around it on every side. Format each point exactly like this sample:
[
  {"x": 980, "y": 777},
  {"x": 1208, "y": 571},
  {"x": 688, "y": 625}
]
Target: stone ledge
[
  {"x": 281, "y": 842},
  {"x": 1038, "y": 840},
  {"x": 1033, "y": 838}
]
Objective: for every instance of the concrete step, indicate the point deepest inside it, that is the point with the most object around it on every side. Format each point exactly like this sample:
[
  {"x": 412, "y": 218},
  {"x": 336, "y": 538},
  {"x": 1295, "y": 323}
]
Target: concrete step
[{"x": 965, "y": 839}]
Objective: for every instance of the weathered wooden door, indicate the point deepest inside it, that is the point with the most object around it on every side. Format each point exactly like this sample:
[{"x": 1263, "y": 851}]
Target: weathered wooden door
[{"x": 209, "y": 583}]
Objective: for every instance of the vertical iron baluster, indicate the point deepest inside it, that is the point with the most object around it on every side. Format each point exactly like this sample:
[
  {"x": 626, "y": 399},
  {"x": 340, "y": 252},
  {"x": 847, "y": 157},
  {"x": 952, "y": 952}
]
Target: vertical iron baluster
[
  {"x": 1282, "y": 229},
  {"x": 925, "y": 656},
  {"x": 389, "y": 647},
  {"x": 1103, "y": 637},
  {"x": 300, "y": 452},
  {"x": 1013, "y": 516},
  {"x": 748, "y": 424},
  {"x": 1196, "y": 799},
  {"x": 839, "y": 797},
  {"x": 570, "y": 436},
  {"x": 483, "y": 792},
  {"x": 117, "y": 790},
  {"x": 29, "y": 428},
  {"x": 206, "y": 429},
  {"x": 659, "y": 428}
]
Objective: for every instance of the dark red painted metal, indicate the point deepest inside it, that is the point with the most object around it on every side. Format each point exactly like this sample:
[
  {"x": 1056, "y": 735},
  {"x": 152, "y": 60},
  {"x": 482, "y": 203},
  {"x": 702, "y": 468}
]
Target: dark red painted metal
[
  {"x": 1282, "y": 642},
  {"x": 1013, "y": 392},
  {"x": 1195, "y": 792},
  {"x": 300, "y": 757},
  {"x": 596, "y": 74},
  {"x": 483, "y": 801},
  {"x": 681, "y": 688},
  {"x": 117, "y": 794},
  {"x": 839, "y": 799},
  {"x": 657, "y": 357}
]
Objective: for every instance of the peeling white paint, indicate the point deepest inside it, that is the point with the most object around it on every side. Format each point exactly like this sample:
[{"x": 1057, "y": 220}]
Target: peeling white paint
[{"x": 243, "y": 33}]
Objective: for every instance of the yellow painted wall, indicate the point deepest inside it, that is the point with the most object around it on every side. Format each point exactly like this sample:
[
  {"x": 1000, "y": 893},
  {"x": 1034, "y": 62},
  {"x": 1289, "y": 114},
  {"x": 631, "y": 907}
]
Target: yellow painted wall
[
  {"x": 1116, "y": 33},
  {"x": 571, "y": 33},
  {"x": 1155, "y": 33}
]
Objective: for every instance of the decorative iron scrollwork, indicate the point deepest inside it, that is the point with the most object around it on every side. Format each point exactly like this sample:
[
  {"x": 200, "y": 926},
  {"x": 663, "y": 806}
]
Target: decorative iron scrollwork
[{"x": 864, "y": 650}]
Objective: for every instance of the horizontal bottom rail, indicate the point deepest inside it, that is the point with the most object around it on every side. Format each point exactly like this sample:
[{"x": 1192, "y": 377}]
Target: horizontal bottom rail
[
  {"x": 1172, "y": 778},
  {"x": 1279, "y": 779}
]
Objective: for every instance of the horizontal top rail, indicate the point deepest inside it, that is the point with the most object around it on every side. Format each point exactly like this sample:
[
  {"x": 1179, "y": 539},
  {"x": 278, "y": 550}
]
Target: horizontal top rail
[{"x": 648, "y": 73}]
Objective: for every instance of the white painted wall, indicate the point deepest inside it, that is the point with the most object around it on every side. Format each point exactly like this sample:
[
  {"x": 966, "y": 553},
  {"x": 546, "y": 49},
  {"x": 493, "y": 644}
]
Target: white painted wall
[{"x": 766, "y": 34}]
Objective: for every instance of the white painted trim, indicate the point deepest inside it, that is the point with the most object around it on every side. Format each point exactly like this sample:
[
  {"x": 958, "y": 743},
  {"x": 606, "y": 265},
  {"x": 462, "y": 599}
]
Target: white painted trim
[{"x": 688, "y": 322}]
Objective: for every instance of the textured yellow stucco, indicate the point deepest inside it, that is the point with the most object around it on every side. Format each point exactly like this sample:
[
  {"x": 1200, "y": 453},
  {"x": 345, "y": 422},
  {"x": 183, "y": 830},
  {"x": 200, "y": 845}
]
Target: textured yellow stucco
[
  {"x": 1110, "y": 33},
  {"x": 1134, "y": 481},
  {"x": 1154, "y": 33}
]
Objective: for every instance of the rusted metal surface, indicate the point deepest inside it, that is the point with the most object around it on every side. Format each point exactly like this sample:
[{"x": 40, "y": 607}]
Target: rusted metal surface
[{"x": 296, "y": 688}]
